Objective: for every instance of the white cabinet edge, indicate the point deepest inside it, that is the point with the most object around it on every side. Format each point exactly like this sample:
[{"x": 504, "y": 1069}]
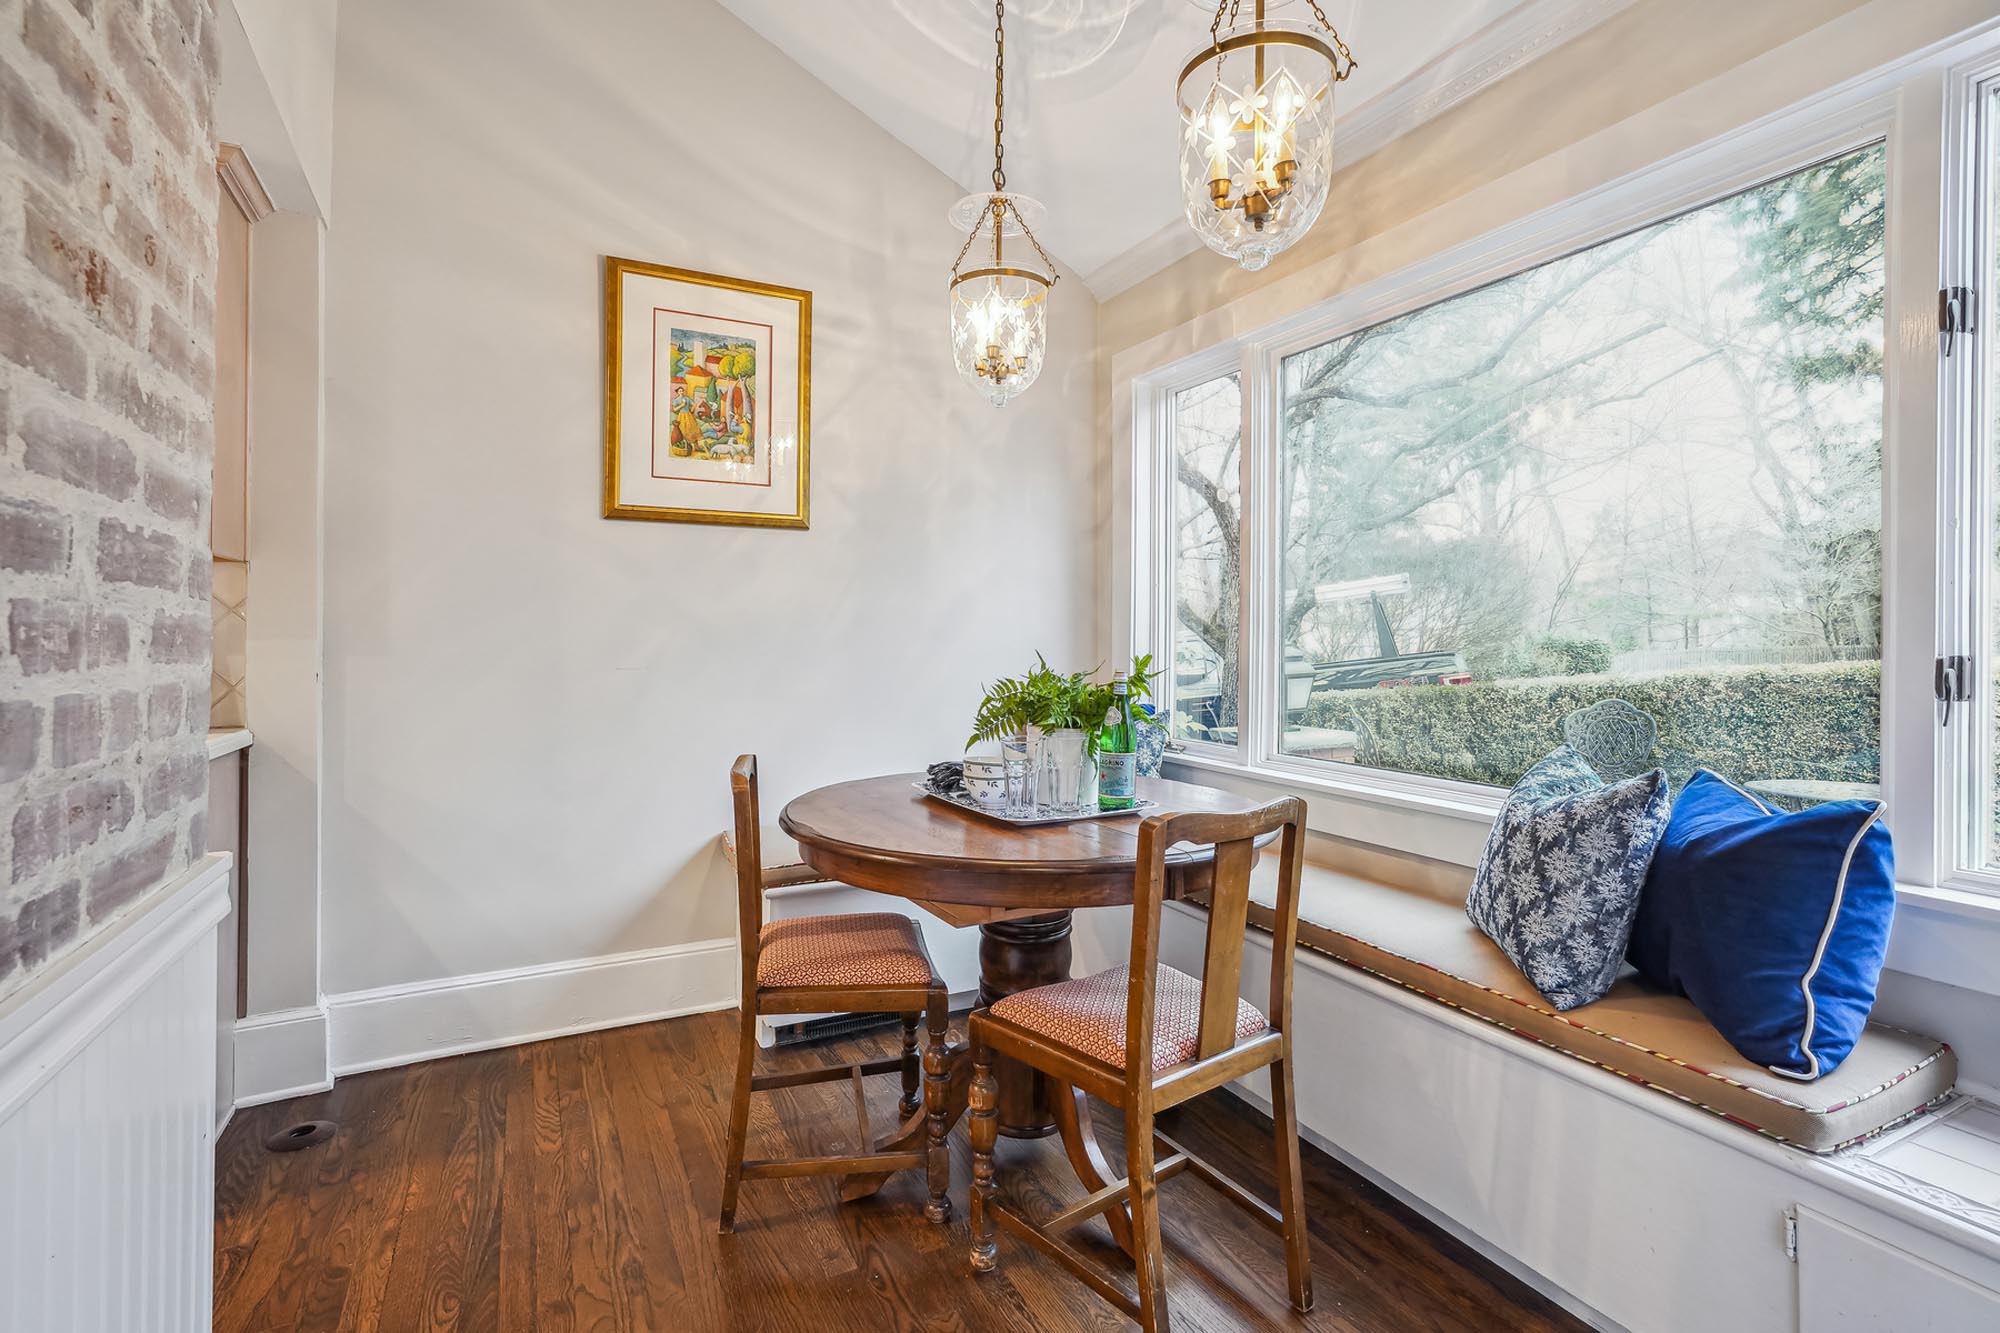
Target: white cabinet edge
[{"x": 227, "y": 740}]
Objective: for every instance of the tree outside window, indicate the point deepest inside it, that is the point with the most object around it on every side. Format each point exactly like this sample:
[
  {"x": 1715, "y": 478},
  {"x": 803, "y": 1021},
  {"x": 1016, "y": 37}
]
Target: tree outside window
[{"x": 1650, "y": 470}]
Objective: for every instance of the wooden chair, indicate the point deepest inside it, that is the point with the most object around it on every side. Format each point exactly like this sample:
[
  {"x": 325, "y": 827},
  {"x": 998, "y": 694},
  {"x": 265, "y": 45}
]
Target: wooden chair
[
  {"x": 872, "y": 962},
  {"x": 1148, "y": 1037}
]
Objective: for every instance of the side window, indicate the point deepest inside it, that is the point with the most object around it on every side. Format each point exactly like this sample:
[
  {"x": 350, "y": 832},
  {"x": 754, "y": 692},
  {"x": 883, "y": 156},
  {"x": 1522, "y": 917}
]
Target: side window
[{"x": 1207, "y": 560}]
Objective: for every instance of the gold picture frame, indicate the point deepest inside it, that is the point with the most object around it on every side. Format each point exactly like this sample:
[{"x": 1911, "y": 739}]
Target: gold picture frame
[{"x": 727, "y": 433}]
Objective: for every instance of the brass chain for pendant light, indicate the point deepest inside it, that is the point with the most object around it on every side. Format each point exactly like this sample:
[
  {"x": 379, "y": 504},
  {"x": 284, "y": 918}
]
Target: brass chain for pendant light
[
  {"x": 1346, "y": 56},
  {"x": 1002, "y": 207},
  {"x": 998, "y": 322},
  {"x": 1231, "y": 7},
  {"x": 999, "y": 94},
  {"x": 1215, "y": 24}
]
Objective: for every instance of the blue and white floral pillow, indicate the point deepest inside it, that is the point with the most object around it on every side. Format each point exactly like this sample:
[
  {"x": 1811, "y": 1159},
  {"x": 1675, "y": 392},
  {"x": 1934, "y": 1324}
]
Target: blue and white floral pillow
[{"x": 1558, "y": 886}]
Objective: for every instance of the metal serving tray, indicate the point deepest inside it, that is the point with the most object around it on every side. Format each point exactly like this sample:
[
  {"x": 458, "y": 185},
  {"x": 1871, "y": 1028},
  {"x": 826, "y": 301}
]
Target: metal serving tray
[{"x": 1142, "y": 806}]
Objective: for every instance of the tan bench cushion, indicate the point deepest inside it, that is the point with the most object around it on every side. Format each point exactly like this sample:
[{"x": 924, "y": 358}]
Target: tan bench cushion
[{"x": 1423, "y": 942}]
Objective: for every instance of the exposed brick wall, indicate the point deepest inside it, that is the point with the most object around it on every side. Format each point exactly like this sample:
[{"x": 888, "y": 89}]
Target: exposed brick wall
[{"x": 107, "y": 311}]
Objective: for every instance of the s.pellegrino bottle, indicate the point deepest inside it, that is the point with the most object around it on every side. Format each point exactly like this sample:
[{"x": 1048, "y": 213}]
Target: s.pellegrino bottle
[{"x": 1117, "y": 751}]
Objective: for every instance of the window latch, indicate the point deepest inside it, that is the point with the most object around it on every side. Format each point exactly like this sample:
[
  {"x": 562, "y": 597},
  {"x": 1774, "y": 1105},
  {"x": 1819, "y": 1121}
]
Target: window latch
[
  {"x": 1951, "y": 682},
  {"x": 1956, "y": 310}
]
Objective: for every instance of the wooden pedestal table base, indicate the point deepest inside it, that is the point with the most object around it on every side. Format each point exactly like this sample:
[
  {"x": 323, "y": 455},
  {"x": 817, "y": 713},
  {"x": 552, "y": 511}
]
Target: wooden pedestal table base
[{"x": 1018, "y": 955}]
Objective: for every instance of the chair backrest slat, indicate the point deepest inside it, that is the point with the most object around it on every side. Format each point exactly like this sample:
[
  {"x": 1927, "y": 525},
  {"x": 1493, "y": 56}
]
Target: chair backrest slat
[
  {"x": 1234, "y": 838},
  {"x": 1222, "y": 958},
  {"x": 749, "y": 865}
]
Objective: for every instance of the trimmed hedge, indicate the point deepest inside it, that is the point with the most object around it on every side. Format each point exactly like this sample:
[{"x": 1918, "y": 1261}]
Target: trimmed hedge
[
  {"x": 1820, "y": 722},
  {"x": 1573, "y": 657}
]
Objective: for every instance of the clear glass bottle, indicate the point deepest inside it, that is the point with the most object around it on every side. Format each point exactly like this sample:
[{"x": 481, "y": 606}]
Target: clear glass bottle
[{"x": 1117, "y": 751}]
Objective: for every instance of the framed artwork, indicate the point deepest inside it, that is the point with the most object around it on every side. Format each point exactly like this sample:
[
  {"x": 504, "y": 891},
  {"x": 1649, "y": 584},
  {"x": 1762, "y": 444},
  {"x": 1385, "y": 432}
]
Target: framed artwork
[{"x": 707, "y": 397}]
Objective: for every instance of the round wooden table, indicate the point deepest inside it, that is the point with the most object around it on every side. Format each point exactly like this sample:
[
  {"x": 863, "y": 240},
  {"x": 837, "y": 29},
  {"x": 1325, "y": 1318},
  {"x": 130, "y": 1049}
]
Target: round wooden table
[{"x": 1018, "y": 885}]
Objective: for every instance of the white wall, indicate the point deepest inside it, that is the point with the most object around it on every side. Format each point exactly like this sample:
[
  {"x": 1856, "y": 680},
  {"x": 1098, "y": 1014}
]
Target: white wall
[
  {"x": 530, "y": 710},
  {"x": 276, "y": 100},
  {"x": 287, "y": 301}
]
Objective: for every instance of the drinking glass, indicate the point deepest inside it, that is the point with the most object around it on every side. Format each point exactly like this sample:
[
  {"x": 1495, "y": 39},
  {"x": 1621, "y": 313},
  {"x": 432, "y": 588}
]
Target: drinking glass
[
  {"x": 1021, "y": 765},
  {"x": 1020, "y": 771},
  {"x": 1065, "y": 771}
]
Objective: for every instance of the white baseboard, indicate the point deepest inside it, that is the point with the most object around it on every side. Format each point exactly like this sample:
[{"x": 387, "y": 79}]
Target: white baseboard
[
  {"x": 426, "y": 1020},
  {"x": 281, "y": 1054}
]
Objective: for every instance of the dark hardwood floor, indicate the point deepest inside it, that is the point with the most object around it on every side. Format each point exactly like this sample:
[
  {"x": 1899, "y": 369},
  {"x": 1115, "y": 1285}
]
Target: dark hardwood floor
[{"x": 572, "y": 1185}]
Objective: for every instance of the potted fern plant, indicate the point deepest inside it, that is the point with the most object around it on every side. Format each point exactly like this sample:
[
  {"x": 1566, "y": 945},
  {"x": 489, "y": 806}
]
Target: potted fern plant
[{"x": 1065, "y": 710}]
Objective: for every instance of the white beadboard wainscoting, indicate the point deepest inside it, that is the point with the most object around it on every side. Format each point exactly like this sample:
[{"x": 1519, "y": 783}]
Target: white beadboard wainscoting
[{"x": 107, "y": 1123}]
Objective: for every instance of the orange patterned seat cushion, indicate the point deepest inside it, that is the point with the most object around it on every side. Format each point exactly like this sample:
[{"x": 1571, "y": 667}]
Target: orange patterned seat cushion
[
  {"x": 859, "y": 949},
  {"x": 1088, "y": 1015}
]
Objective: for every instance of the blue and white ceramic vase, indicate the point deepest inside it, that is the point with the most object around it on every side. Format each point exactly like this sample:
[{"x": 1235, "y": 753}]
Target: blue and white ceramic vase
[{"x": 1152, "y": 743}]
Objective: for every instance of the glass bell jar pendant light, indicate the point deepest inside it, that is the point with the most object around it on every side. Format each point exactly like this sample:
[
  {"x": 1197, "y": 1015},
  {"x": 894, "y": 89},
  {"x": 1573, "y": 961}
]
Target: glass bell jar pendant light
[
  {"x": 1256, "y": 109},
  {"x": 999, "y": 305}
]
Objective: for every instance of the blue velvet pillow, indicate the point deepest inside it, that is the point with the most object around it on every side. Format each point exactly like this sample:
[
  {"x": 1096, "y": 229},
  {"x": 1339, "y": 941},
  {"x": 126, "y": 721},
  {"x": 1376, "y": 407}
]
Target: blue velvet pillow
[
  {"x": 1560, "y": 879},
  {"x": 1774, "y": 924}
]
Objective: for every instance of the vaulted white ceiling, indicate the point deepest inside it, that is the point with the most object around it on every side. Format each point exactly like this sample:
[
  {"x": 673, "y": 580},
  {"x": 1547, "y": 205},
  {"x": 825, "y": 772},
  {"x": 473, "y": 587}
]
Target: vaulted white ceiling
[{"x": 1091, "y": 123}]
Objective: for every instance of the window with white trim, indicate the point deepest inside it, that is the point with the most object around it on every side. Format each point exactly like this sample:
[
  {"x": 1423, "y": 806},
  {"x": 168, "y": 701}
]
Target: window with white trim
[
  {"x": 1966, "y": 670},
  {"x": 1650, "y": 469},
  {"x": 1207, "y": 426}
]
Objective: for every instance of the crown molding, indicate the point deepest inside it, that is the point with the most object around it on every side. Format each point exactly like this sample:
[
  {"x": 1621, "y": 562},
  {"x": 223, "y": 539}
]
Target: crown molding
[
  {"x": 1143, "y": 260},
  {"x": 1486, "y": 57},
  {"x": 240, "y": 183},
  {"x": 1478, "y": 62}
]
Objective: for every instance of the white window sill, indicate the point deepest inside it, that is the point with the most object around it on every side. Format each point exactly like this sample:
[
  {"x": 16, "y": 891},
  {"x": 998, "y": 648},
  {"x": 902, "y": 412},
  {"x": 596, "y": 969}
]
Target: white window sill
[
  {"x": 1445, "y": 821},
  {"x": 1454, "y": 800},
  {"x": 1967, "y": 903},
  {"x": 1947, "y": 935}
]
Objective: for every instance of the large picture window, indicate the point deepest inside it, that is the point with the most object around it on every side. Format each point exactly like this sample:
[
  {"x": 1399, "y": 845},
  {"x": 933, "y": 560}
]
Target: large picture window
[{"x": 1650, "y": 470}]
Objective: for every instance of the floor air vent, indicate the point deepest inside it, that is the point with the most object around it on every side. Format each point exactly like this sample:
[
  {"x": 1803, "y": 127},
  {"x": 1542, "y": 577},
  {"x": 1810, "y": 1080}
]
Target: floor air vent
[{"x": 834, "y": 1025}]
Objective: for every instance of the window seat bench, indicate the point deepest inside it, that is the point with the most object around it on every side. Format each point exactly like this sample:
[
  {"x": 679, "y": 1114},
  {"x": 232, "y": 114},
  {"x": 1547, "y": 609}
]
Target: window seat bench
[{"x": 1402, "y": 919}]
